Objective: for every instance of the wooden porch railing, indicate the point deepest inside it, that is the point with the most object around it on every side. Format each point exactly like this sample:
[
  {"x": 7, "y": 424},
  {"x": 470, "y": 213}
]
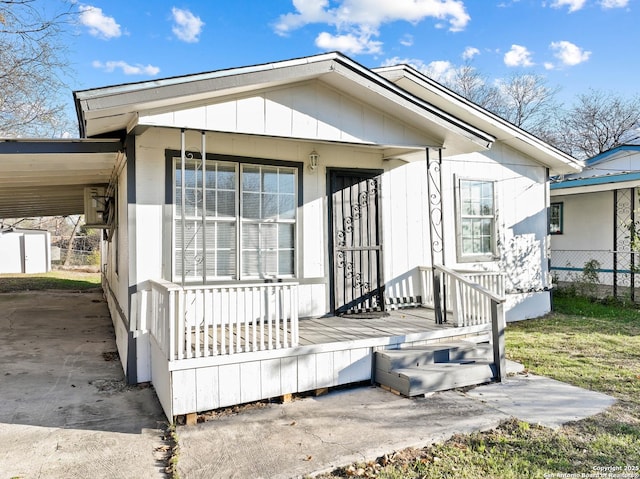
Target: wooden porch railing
[
  {"x": 472, "y": 304},
  {"x": 201, "y": 321}
]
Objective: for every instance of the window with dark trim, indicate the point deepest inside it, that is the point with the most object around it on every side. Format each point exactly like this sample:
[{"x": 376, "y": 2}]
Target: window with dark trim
[
  {"x": 476, "y": 217},
  {"x": 555, "y": 218},
  {"x": 239, "y": 220}
]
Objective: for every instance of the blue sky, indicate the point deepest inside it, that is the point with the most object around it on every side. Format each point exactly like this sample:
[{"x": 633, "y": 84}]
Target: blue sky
[{"x": 575, "y": 44}]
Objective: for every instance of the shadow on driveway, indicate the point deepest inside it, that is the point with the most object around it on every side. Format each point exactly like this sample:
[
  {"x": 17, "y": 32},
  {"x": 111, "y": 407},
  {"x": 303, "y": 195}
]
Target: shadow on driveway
[{"x": 63, "y": 395}]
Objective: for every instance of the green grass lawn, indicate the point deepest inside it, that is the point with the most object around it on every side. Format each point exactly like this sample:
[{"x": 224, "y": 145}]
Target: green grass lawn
[
  {"x": 61, "y": 280},
  {"x": 591, "y": 345}
]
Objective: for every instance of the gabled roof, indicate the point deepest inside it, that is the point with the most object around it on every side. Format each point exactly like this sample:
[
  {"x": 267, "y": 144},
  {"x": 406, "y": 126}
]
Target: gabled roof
[
  {"x": 105, "y": 110},
  {"x": 599, "y": 175},
  {"x": 596, "y": 180},
  {"x": 431, "y": 91},
  {"x": 622, "y": 150}
]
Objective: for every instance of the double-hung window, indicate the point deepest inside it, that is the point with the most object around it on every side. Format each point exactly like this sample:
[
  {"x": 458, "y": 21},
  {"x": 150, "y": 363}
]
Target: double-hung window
[
  {"x": 268, "y": 221},
  {"x": 476, "y": 220},
  {"x": 238, "y": 221},
  {"x": 555, "y": 218}
]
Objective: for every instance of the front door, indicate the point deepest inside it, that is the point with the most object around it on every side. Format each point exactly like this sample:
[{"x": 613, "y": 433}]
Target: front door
[{"x": 356, "y": 241}]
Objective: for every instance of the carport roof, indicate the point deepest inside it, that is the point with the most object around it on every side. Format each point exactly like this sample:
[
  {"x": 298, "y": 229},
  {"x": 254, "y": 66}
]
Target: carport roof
[{"x": 47, "y": 177}]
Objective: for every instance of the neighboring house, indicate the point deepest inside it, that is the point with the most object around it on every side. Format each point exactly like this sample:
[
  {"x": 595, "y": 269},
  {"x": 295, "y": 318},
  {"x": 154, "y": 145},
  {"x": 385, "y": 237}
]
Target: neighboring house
[
  {"x": 330, "y": 195},
  {"x": 24, "y": 251},
  {"x": 591, "y": 216}
]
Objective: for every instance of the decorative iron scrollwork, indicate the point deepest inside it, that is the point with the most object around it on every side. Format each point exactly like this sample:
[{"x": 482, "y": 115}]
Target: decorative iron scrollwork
[{"x": 434, "y": 181}]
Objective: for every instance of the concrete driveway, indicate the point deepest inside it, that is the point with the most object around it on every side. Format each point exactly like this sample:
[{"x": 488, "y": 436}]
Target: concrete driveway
[{"x": 65, "y": 410}]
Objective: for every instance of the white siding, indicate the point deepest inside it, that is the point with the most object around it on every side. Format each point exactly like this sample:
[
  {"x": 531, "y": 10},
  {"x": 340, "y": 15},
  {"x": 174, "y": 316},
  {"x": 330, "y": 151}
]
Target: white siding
[
  {"x": 10, "y": 253},
  {"x": 310, "y": 110},
  {"x": 25, "y": 251},
  {"x": 211, "y": 387},
  {"x": 587, "y": 222},
  {"x": 520, "y": 191}
]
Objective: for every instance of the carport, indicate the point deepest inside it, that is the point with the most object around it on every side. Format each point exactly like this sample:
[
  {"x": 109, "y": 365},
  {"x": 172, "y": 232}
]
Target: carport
[
  {"x": 65, "y": 405},
  {"x": 48, "y": 177}
]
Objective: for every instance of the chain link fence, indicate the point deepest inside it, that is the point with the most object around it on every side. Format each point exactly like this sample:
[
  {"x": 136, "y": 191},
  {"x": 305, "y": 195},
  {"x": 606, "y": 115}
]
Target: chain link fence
[
  {"x": 77, "y": 257},
  {"x": 597, "y": 273}
]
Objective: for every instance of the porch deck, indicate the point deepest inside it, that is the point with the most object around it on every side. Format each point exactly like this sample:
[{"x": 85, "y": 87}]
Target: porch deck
[
  {"x": 349, "y": 327},
  {"x": 218, "y": 346},
  {"x": 370, "y": 330}
]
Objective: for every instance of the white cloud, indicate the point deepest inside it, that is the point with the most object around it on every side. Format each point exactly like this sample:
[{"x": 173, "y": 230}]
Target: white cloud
[
  {"x": 574, "y": 5},
  {"x": 518, "y": 56},
  {"x": 407, "y": 40},
  {"x": 440, "y": 70},
  {"x": 373, "y": 13},
  {"x": 348, "y": 43},
  {"x": 187, "y": 27},
  {"x": 308, "y": 11},
  {"x": 568, "y": 53},
  {"x": 361, "y": 19},
  {"x": 614, "y": 3},
  {"x": 549, "y": 66},
  {"x": 469, "y": 53},
  {"x": 99, "y": 24},
  {"x": 127, "y": 69}
]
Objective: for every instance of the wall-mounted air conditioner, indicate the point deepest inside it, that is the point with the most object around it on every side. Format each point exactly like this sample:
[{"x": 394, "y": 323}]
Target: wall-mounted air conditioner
[{"x": 95, "y": 206}]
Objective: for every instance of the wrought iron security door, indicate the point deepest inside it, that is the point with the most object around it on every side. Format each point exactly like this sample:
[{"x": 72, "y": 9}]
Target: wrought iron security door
[{"x": 357, "y": 280}]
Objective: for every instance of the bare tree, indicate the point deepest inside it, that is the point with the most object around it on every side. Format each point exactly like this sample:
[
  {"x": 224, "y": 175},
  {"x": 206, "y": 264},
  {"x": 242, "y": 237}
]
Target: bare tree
[
  {"x": 32, "y": 66},
  {"x": 470, "y": 83},
  {"x": 76, "y": 224},
  {"x": 597, "y": 122},
  {"x": 524, "y": 99},
  {"x": 527, "y": 101}
]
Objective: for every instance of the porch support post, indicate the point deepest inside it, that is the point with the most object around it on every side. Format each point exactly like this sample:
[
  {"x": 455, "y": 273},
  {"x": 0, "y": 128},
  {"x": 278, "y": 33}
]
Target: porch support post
[
  {"x": 183, "y": 204},
  {"x": 434, "y": 191},
  {"x": 204, "y": 207}
]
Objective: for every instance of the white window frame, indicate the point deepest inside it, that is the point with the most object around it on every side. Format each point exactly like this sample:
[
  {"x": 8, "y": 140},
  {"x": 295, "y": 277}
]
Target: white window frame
[
  {"x": 238, "y": 220},
  {"x": 462, "y": 256}
]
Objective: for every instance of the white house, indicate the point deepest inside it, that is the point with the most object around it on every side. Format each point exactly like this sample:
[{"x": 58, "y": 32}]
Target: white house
[
  {"x": 591, "y": 214},
  {"x": 24, "y": 250},
  {"x": 329, "y": 196}
]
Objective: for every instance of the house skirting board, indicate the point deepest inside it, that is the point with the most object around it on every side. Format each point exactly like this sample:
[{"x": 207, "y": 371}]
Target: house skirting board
[
  {"x": 121, "y": 329},
  {"x": 521, "y": 306},
  {"x": 195, "y": 385}
]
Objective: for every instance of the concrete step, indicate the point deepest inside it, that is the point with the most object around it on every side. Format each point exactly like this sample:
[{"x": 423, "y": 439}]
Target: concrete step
[
  {"x": 418, "y": 356},
  {"x": 437, "y": 376}
]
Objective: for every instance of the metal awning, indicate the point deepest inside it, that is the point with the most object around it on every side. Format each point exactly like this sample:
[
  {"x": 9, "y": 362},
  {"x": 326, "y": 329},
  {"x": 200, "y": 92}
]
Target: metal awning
[{"x": 47, "y": 177}]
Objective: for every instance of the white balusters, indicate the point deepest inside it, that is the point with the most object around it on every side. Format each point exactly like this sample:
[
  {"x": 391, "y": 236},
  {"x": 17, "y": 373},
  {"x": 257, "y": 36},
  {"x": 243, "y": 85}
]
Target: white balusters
[{"x": 201, "y": 321}]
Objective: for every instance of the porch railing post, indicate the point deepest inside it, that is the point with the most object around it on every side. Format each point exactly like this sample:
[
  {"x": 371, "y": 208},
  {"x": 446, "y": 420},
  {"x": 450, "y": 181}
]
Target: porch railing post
[
  {"x": 456, "y": 303},
  {"x": 437, "y": 297},
  {"x": 498, "y": 325},
  {"x": 171, "y": 338}
]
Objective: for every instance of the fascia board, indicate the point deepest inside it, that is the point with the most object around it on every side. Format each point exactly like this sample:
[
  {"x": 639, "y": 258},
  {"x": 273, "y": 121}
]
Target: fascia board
[
  {"x": 422, "y": 86},
  {"x": 123, "y": 99}
]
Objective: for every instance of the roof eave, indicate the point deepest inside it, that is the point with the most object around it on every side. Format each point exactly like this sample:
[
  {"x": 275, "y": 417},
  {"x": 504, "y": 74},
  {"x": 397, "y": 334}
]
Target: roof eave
[
  {"x": 126, "y": 99},
  {"x": 558, "y": 161}
]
